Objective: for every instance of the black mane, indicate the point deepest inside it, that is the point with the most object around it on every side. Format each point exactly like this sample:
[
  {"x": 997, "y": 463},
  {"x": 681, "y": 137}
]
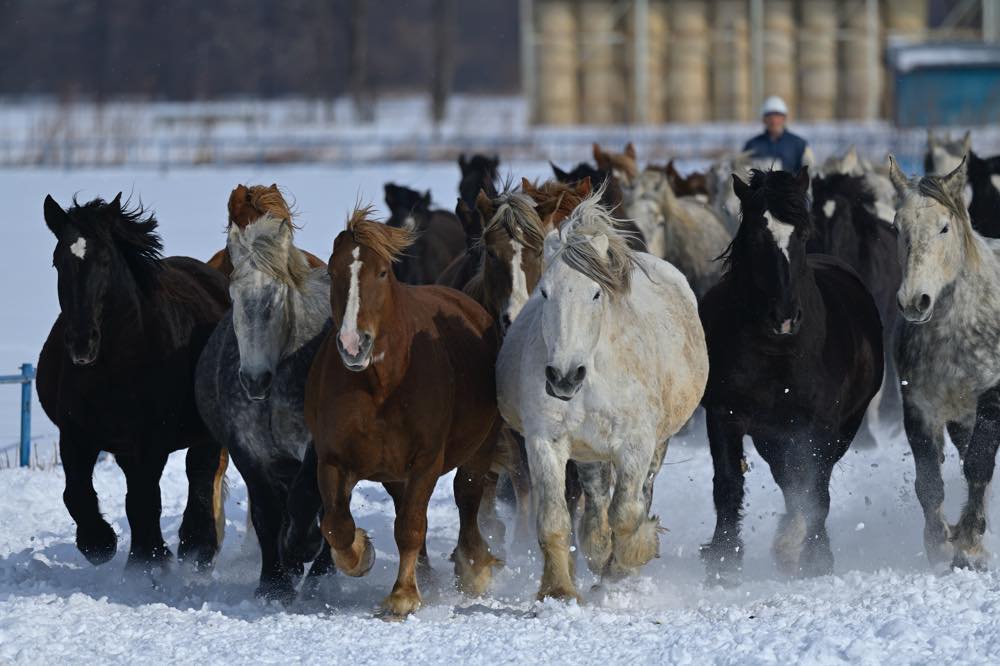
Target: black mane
[{"x": 131, "y": 230}]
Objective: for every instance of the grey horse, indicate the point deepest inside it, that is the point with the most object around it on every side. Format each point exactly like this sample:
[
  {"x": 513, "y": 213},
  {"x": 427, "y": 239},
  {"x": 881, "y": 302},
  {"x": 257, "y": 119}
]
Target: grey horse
[{"x": 250, "y": 384}]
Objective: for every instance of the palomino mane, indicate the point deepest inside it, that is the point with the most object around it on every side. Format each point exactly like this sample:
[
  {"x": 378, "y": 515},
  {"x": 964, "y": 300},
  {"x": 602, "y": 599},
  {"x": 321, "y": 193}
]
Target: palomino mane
[
  {"x": 933, "y": 187},
  {"x": 612, "y": 271},
  {"x": 775, "y": 191},
  {"x": 387, "y": 242},
  {"x": 515, "y": 214},
  {"x": 133, "y": 231},
  {"x": 260, "y": 200},
  {"x": 269, "y": 251}
]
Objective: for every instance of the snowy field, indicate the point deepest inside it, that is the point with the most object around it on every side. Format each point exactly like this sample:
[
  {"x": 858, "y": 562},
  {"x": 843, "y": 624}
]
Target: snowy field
[{"x": 883, "y": 605}]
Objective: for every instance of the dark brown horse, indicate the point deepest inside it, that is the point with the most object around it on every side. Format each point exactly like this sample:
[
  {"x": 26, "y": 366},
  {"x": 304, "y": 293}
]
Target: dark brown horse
[
  {"x": 246, "y": 206},
  {"x": 401, "y": 391},
  {"x": 117, "y": 374},
  {"x": 692, "y": 185}
]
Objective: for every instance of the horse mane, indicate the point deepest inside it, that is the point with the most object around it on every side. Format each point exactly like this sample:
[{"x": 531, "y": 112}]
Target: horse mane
[
  {"x": 133, "y": 231},
  {"x": 778, "y": 192},
  {"x": 248, "y": 203},
  {"x": 267, "y": 251},
  {"x": 387, "y": 242},
  {"x": 612, "y": 271},
  {"x": 515, "y": 213},
  {"x": 554, "y": 200},
  {"x": 933, "y": 187}
]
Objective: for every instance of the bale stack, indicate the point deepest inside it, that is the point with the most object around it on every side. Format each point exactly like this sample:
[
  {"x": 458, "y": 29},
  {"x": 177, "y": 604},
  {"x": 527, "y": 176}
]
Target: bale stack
[
  {"x": 861, "y": 70},
  {"x": 657, "y": 40},
  {"x": 687, "y": 90},
  {"x": 906, "y": 18},
  {"x": 603, "y": 91},
  {"x": 557, "y": 92},
  {"x": 731, "y": 61},
  {"x": 818, "y": 60},
  {"x": 779, "y": 51}
]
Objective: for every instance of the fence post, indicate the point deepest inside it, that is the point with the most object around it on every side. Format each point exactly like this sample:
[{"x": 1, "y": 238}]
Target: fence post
[{"x": 27, "y": 375}]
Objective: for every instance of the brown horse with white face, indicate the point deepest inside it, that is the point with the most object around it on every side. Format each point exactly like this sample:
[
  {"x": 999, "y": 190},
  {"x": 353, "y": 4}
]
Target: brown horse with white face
[
  {"x": 401, "y": 391},
  {"x": 247, "y": 204}
]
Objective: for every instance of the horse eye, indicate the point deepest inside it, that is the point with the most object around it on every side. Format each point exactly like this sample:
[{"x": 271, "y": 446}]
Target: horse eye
[
  {"x": 383, "y": 273},
  {"x": 945, "y": 229},
  {"x": 545, "y": 294},
  {"x": 597, "y": 295}
]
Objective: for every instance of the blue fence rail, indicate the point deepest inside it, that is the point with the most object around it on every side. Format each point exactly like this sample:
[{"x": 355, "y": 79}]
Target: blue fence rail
[{"x": 24, "y": 379}]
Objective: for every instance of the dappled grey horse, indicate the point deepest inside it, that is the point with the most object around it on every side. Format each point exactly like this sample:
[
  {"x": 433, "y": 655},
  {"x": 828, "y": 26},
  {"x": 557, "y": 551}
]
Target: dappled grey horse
[{"x": 250, "y": 383}]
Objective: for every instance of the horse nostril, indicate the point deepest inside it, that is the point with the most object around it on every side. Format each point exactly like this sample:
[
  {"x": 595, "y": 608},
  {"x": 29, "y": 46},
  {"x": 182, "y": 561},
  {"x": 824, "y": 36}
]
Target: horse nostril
[
  {"x": 581, "y": 372},
  {"x": 505, "y": 320},
  {"x": 925, "y": 303},
  {"x": 551, "y": 374},
  {"x": 265, "y": 380}
]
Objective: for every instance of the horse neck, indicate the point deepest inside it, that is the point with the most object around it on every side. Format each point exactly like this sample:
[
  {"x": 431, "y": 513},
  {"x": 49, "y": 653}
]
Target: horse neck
[
  {"x": 391, "y": 352},
  {"x": 128, "y": 313},
  {"x": 967, "y": 290},
  {"x": 309, "y": 308}
]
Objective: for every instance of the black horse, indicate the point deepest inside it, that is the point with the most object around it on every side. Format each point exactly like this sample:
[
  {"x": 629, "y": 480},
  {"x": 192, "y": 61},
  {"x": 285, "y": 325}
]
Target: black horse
[
  {"x": 984, "y": 210},
  {"x": 479, "y": 172},
  {"x": 795, "y": 355},
  {"x": 117, "y": 374},
  {"x": 440, "y": 236},
  {"x": 612, "y": 197}
]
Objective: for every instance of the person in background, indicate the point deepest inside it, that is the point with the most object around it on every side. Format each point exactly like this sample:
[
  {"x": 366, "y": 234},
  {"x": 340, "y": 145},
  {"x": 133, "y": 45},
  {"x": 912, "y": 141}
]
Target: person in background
[{"x": 776, "y": 146}]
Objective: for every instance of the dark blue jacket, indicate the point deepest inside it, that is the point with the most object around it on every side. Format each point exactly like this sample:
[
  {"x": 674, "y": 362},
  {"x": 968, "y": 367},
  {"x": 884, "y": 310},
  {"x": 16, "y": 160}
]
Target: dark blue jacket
[{"x": 788, "y": 148}]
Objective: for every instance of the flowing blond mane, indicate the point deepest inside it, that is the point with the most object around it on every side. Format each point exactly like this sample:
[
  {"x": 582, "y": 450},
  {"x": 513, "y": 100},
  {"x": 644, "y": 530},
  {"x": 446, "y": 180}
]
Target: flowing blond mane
[
  {"x": 387, "y": 242},
  {"x": 267, "y": 246}
]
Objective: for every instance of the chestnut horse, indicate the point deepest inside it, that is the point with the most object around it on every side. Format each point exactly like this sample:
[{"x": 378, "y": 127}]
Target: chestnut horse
[
  {"x": 248, "y": 204},
  {"x": 402, "y": 390}
]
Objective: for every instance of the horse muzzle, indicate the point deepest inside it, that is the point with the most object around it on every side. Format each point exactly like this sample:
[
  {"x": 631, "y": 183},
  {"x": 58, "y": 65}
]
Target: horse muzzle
[
  {"x": 83, "y": 349},
  {"x": 564, "y": 385},
  {"x": 256, "y": 386},
  {"x": 917, "y": 310},
  {"x": 788, "y": 325},
  {"x": 355, "y": 350}
]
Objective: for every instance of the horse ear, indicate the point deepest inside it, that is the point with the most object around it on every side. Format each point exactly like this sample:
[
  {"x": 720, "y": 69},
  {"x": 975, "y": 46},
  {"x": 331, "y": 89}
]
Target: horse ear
[
  {"x": 462, "y": 164},
  {"x": 274, "y": 188},
  {"x": 967, "y": 141},
  {"x": 56, "y": 218},
  {"x": 560, "y": 175},
  {"x": 116, "y": 203},
  {"x": 741, "y": 189},
  {"x": 598, "y": 153},
  {"x": 898, "y": 178},
  {"x": 390, "y": 195},
  {"x": 485, "y": 206},
  {"x": 600, "y": 243},
  {"x": 584, "y": 187},
  {"x": 470, "y": 219},
  {"x": 630, "y": 150},
  {"x": 802, "y": 178},
  {"x": 850, "y": 161},
  {"x": 527, "y": 187},
  {"x": 425, "y": 201},
  {"x": 954, "y": 182}
]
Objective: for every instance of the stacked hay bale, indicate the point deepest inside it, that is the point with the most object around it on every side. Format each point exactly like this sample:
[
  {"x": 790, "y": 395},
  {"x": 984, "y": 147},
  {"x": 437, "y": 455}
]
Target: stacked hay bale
[
  {"x": 860, "y": 67},
  {"x": 657, "y": 41},
  {"x": 603, "y": 91},
  {"x": 731, "y": 61},
  {"x": 906, "y": 18},
  {"x": 557, "y": 95},
  {"x": 779, "y": 51},
  {"x": 818, "y": 60},
  {"x": 687, "y": 91}
]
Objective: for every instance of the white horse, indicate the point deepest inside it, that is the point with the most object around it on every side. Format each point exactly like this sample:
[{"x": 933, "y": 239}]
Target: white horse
[
  {"x": 606, "y": 361},
  {"x": 949, "y": 354}
]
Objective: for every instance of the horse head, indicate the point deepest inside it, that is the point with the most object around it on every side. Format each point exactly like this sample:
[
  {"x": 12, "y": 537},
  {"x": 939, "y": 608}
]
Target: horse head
[
  {"x": 362, "y": 284},
  {"x": 408, "y": 209},
  {"x": 103, "y": 253},
  {"x": 936, "y": 237},
  {"x": 588, "y": 266},
  {"x": 768, "y": 255},
  {"x": 479, "y": 172}
]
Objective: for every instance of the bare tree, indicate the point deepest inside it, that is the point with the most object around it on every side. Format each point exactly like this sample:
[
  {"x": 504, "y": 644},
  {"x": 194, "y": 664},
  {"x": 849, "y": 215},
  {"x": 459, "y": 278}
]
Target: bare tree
[
  {"x": 444, "y": 57},
  {"x": 358, "y": 60}
]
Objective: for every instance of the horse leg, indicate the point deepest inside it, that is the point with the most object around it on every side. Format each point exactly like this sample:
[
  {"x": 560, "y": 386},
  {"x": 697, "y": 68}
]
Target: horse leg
[
  {"x": 473, "y": 561},
  {"x": 961, "y": 435},
  {"x": 494, "y": 528},
  {"x": 547, "y": 461},
  {"x": 353, "y": 552},
  {"x": 817, "y": 557},
  {"x": 425, "y": 572},
  {"x": 268, "y": 508},
  {"x": 635, "y": 533},
  {"x": 94, "y": 536},
  {"x": 301, "y": 538},
  {"x": 595, "y": 530},
  {"x": 723, "y": 555},
  {"x": 143, "y": 508},
  {"x": 654, "y": 468},
  {"x": 520, "y": 478},
  {"x": 410, "y": 530},
  {"x": 927, "y": 443},
  {"x": 204, "y": 523},
  {"x": 978, "y": 466},
  {"x": 795, "y": 480}
]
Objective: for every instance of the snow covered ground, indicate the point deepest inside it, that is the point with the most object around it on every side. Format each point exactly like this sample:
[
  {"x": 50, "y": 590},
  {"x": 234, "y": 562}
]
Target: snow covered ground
[{"x": 884, "y": 605}]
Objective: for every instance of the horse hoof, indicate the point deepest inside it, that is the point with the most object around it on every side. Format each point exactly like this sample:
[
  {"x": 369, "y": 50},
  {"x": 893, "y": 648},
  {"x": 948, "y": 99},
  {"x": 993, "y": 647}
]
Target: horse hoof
[
  {"x": 99, "y": 544},
  {"x": 474, "y": 576},
  {"x": 560, "y": 593},
  {"x": 401, "y": 603},
  {"x": 938, "y": 545},
  {"x": 282, "y": 592},
  {"x": 365, "y": 558}
]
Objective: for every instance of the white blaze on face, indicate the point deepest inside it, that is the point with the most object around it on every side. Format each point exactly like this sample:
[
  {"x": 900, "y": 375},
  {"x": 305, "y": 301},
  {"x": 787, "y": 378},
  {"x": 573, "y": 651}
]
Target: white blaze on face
[
  {"x": 781, "y": 231},
  {"x": 519, "y": 282},
  {"x": 829, "y": 208},
  {"x": 995, "y": 180},
  {"x": 409, "y": 223},
  {"x": 79, "y": 248},
  {"x": 349, "y": 337}
]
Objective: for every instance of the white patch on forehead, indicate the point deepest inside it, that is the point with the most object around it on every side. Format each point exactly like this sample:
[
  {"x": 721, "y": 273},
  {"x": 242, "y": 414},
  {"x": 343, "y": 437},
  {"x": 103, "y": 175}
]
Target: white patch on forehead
[
  {"x": 409, "y": 223},
  {"x": 350, "y": 323},
  {"x": 79, "y": 248},
  {"x": 519, "y": 282},
  {"x": 829, "y": 208},
  {"x": 780, "y": 231},
  {"x": 995, "y": 180}
]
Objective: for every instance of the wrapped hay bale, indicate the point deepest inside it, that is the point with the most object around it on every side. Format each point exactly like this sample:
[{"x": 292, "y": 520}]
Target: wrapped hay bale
[
  {"x": 779, "y": 51},
  {"x": 817, "y": 58},
  {"x": 731, "y": 62},
  {"x": 860, "y": 69},
  {"x": 557, "y": 96},
  {"x": 603, "y": 88},
  {"x": 687, "y": 91}
]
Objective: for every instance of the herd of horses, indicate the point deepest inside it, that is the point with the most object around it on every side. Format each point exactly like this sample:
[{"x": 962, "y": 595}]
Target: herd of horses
[{"x": 546, "y": 340}]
